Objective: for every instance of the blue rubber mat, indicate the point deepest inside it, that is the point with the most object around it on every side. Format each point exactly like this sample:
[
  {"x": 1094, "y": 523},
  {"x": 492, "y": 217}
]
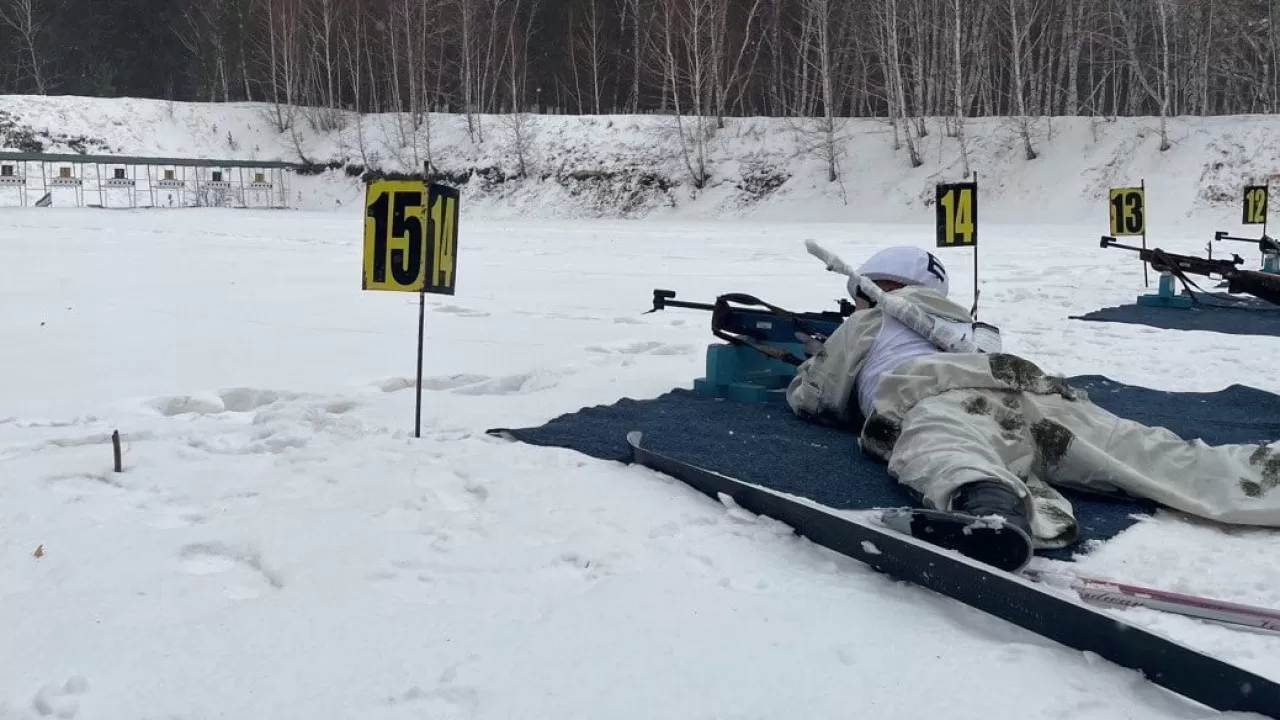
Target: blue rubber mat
[
  {"x": 767, "y": 445},
  {"x": 1218, "y": 313}
]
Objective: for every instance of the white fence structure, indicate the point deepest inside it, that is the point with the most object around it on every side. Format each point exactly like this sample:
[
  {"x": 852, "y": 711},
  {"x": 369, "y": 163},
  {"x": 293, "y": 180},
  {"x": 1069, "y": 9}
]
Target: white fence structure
[{"x": 131, "y": 182}]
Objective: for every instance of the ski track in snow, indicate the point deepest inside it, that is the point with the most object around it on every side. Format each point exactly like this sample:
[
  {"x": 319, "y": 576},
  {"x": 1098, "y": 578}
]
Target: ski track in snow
[{"x": 281, "y": 545}]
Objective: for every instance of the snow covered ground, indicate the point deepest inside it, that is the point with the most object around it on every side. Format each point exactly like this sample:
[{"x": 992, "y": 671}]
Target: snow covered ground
[{"x": 280, "y": 546}]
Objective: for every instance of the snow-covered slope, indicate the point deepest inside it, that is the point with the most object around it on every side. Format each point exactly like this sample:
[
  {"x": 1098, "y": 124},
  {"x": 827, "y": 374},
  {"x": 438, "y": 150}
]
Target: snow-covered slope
[{"x": 627, "y": 166}]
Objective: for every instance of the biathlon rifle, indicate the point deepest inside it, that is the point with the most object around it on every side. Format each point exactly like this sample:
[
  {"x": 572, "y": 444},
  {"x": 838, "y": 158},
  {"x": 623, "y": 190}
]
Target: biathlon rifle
[
  {"x": 1265, "y": 286},
  {"x": 741, "y": 319},
  {"x": 1265, "y": 243}
]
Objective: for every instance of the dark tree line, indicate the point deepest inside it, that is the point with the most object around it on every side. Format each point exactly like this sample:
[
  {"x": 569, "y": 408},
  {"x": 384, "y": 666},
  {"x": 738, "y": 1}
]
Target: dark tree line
[{"x": 706, "y": 59}]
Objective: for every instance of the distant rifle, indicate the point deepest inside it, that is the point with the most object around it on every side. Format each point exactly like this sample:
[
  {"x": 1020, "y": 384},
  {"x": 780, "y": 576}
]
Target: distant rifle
[
  {"x": 1266, "y": 244},
  {"x": 1265, "y": 286},
  {"x": 741, "y": 319}
]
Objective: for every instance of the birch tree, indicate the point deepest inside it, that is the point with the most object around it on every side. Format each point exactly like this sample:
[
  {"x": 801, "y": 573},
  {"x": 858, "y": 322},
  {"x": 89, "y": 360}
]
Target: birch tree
[
  {"x": 892, "y": 62},
  {"x": 1018, "y": 33},
  {"x": 957, "y": 82},
  {"x": 27, "y": 18},
  {"x": 1128, "y": 13}
]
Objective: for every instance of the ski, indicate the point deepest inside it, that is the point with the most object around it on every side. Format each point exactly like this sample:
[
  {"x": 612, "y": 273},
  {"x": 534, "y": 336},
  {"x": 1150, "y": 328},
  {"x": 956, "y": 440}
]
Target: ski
[{"x": 1163, "y": 661}]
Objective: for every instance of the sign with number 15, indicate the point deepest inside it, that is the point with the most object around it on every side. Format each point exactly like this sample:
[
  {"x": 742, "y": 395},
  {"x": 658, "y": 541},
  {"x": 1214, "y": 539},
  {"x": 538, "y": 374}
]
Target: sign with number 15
[{"x": 410, "y": 237}]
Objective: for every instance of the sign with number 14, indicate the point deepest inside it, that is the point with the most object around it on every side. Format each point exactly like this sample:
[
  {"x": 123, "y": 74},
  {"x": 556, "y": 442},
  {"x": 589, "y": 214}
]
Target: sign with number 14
[{"x": 957, "y": 217}]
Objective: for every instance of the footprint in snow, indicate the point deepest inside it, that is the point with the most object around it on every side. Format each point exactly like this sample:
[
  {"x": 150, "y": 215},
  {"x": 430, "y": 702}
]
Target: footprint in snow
[
  {"x": 54, "y": 700},
  {"x": 445, "y": 700},
  {"x": 242, "y": 572},
  {"x": 589, "y": 568},
  {"x": 440, "y": 382},
  {"x": 641, "y": 347},
  {"x": 512, "y": 384},
  {"x": 442, "y": 703},
  {"x": 42, "y": 423},
  {"x": 406, "y": 580},
  {"x": 460, "y": 493},
  {"x": 460, "y": 311},
  {"x": 177, "y": 517},
  {"x": 102, "y": 438},
  {"x": 79, "y": 486},
  {"x": 240, "y": 399},
  {"x": 79, "y": 483}
]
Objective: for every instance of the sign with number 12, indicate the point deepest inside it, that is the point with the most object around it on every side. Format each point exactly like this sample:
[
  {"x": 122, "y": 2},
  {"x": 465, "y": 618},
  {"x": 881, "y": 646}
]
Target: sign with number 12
[{"x": 1255, "y": 205}]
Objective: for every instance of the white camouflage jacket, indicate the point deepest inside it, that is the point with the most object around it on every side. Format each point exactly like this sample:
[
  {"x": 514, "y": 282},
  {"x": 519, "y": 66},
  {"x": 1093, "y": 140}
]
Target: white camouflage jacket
[{"x": 824, "y": 385}]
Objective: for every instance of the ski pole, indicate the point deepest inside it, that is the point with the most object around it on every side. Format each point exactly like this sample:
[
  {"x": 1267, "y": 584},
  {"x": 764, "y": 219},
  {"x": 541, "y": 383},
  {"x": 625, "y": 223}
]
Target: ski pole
[{"x": 1123, "y": 595}]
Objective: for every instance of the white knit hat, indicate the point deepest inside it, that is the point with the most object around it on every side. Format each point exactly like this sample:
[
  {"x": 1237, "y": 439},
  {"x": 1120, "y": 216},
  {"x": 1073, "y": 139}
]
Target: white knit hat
[{"x": 908, "y": 265}]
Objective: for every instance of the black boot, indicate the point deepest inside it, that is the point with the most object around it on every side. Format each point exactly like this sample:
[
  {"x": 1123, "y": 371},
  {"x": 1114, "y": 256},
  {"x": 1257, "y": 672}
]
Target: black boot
[{"x": 992, "y": 497}]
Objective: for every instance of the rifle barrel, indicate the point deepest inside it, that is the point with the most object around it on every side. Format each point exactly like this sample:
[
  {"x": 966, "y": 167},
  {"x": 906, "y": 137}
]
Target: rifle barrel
[
  {"x": 1108, "y": 241},
  {"x": 688, "y": 304},
  {"x": 1255, "y": 241}
]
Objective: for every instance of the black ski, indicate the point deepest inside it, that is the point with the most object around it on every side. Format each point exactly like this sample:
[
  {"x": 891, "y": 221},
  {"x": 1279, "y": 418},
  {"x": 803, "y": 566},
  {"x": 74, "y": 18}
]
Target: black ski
[{"x": 1165, "y": 662}]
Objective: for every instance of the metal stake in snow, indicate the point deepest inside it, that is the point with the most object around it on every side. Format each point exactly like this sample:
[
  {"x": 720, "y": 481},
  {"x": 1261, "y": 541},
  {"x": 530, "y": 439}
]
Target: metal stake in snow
[{"x": 941, "y": 335}]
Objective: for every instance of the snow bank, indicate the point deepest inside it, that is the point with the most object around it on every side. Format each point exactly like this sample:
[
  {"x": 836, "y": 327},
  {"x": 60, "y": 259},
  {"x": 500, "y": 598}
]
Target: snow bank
[
  {"x": 279, "y": 545},
  {"x": 633, "y": 166}
]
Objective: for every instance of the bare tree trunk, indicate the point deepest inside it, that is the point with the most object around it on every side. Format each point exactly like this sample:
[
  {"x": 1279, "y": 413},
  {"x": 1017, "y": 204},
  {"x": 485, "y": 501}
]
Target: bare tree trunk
[
  {"x": 27, "y": 18},
  {"x": 958, "y": 78},
  {"x": 919, "y": 46},
  {"x": 729, "y": 73},
  {"x": 683, "y": 61},
  {"x": 488, "y": 88},
  {"x": 1162, "y": 11},
  {"x": 573, "y": 60},
  {"x": 352, "y": 45},
  {"x": 1135, "y": 69},
  {"x": 819, "y": 52},
  {"x": 466, "y": 19},
  {"x": 893, "y": 62},
  {"x": 593, "y": 48},
  {"x": 1075, "y": 43},
  {"x": 283, "y": 39},
  {"x": 1207, "y": 49},
  {"x": 1019, "y": 92},
  {"x": 1274, "y": 44},
  {"x": 637, "y": 43}
]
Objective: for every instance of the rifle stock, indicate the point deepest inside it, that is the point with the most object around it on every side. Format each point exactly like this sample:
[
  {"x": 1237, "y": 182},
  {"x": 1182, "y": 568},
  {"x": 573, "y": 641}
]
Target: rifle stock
[{"x": 1265, "y": 286}]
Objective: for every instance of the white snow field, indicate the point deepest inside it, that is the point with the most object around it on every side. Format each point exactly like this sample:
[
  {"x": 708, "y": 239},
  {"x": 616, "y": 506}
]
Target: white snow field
[{"x": 279, "y": 545}]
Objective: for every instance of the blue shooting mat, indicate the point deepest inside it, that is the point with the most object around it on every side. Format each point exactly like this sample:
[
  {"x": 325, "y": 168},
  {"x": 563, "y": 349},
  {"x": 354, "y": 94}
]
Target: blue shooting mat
[
  {"x": 1213, "y": 312},
  {"x": 767, "y": 445}
]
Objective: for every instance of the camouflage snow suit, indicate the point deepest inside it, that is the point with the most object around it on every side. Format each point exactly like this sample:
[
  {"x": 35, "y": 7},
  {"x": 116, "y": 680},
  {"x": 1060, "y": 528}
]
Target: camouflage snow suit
[{"x": 946, "y": 419}]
